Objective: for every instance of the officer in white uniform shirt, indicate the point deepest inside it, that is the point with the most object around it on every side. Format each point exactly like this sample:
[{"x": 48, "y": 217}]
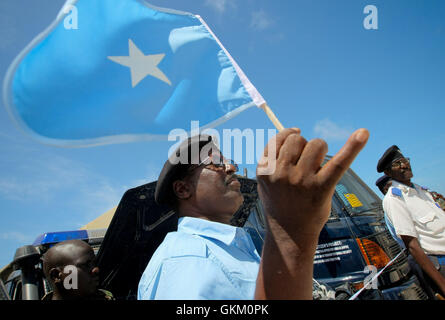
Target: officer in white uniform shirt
[{"x": 416, "y": 218}]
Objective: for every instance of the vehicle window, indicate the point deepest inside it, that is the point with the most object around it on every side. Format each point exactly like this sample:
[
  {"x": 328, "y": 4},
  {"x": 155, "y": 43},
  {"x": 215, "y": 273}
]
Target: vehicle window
[
  {"x": 256, "y": 219},
  {"x": 8, "y": 286},
  {"x": 336, "y": 208},
  {"x": 255, "y": 226},
  {"x": 256, "y": 216},
  {"x": 17, "y": 291},
  {"x": 4, "y": 292},
  {"x": 355, "y": 197}
]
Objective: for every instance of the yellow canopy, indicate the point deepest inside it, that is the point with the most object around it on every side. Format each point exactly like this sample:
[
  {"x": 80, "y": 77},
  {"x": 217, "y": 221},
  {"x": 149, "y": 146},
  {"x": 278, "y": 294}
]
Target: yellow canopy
[{"x": 101, "y": 222}]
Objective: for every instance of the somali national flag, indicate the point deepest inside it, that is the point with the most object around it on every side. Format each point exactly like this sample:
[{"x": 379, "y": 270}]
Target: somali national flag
[{"x": 130, "y": 71}]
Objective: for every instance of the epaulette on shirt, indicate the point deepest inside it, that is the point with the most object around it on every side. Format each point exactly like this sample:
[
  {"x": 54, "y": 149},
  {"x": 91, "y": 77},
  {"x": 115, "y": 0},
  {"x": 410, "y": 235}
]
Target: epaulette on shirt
[{"x": 396, "y": 192}]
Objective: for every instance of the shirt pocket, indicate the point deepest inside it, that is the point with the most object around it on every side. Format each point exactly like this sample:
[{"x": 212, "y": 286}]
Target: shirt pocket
[
  {"x": 431, "y": 223},
  {"x": 426, "y": 218}
]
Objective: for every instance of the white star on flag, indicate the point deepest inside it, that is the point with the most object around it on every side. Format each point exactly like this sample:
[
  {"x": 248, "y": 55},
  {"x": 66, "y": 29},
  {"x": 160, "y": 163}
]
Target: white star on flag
[{"x": 141, "y": 65}]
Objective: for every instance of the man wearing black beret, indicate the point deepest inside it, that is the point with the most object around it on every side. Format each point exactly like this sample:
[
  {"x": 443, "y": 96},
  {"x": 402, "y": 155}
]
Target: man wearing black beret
[
  {"x": 209, "y": 259},
  {"x": 383, "y": 183},
  {"x": 416, "y": 218}
]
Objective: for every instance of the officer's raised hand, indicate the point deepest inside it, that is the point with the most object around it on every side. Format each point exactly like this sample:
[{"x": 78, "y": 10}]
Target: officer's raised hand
[{"x": 296, "y": 198}]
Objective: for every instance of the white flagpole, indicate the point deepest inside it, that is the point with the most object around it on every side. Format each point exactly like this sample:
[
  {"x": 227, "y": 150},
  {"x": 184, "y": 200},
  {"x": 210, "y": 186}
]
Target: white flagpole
[{"x": 272, "y": 117}]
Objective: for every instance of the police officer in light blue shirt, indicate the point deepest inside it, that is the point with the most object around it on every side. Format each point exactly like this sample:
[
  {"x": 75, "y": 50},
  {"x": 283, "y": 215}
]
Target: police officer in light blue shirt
[{"x": 206, "y": 258}]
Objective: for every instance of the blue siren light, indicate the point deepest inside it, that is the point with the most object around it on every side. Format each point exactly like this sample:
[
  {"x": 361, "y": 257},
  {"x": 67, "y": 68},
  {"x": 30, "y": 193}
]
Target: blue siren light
[{"x": 55, "y": 237}]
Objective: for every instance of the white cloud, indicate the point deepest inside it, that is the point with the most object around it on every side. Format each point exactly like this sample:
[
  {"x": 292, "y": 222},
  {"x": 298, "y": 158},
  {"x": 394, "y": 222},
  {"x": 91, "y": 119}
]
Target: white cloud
[
  {"x": 328, "y": 130},
  {"x": 260, "y": 20},
  {"x": 96, "y": 200},
  {"x": 16, "y": 236},
  {"x": 220, "y": 6},
  {"x": 48, "y": 178},
  {"x": 41, "y": 178},
  {"x": 106, "y": 196}
]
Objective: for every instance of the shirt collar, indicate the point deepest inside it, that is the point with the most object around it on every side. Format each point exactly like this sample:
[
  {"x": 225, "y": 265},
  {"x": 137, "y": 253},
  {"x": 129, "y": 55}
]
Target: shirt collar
[
  {"x": 405, "y": 188},
  {"x": 209, "y": 229}
]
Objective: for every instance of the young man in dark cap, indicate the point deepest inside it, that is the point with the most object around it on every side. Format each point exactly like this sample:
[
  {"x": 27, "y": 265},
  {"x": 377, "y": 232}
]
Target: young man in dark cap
[
  {"x": 383, "y": 183},
  {"x": 70, "y": 268},
  {"x": 209, "y": 259},
  {"x": 416, "y": 218}
]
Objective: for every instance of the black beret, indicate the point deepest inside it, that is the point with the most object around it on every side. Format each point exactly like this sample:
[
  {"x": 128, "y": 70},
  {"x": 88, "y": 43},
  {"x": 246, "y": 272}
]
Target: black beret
[
  {"x": 187, "y": 154},
  {"x": 381, "y": 182},
  {"x": 391, "y": 154}
]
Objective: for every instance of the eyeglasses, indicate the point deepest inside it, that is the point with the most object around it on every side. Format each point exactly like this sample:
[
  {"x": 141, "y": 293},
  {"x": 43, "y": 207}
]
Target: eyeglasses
[
  {"x": 218, "y": 163},
  {"x": 397, "y": 164}
]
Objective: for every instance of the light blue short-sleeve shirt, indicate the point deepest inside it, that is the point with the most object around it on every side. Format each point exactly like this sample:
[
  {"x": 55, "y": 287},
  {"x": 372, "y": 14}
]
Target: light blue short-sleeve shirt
[{"x": 202, "y": 260}]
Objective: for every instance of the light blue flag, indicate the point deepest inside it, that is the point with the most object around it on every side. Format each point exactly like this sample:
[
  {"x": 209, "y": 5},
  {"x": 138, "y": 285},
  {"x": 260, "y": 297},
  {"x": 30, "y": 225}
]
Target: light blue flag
[{"x": 109, "y": 71}]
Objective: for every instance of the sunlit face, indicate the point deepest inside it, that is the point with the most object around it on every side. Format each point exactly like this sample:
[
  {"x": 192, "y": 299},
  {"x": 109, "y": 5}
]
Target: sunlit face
[
  {"x": 88, "y": 273},
  {"x": 83, "y": 258},
  {"x": 216, "y": 192},
  {"x": 400, "y": 170}
]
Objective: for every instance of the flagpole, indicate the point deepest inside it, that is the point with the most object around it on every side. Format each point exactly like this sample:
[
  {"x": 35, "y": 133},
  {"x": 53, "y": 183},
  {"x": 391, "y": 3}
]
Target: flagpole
[{"x": 272, "y": 117}]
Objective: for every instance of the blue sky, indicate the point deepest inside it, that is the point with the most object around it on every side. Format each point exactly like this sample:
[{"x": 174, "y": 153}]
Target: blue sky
[{"x": 312, "y": 60}]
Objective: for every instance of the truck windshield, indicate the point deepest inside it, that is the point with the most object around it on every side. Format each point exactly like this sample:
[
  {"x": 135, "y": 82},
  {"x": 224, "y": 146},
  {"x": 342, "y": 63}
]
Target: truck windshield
[{"x": 355, "y": 196}]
